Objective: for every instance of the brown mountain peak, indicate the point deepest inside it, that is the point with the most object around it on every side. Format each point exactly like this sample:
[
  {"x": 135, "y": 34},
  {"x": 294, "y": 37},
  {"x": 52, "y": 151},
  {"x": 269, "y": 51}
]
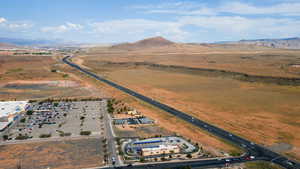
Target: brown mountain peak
[{"x": 145, "y": 43}]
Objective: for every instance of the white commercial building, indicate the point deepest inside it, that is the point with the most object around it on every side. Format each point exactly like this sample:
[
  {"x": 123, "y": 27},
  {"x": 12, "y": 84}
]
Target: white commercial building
[
  {"x": 161, "y": 149},
  {"x": 10, "y": 111}
]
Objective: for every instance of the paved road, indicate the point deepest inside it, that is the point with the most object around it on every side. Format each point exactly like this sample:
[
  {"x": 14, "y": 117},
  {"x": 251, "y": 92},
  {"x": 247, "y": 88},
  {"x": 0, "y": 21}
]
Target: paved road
[
  {"x": 260, "y": 152},
  {"x": 111, "y": 142}
]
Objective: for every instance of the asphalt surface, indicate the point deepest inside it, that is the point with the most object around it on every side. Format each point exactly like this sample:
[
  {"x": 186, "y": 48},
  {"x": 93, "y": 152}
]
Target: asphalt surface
[
  {"x": 252, "y": 149},
  {"x": 113, "y": 156}
]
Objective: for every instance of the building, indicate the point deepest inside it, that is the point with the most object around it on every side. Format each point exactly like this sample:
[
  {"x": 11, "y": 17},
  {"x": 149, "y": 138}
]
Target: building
[
  {"x": 158, "y": 146},
  {"x": 160, "y": 149},
  {"x": 132, "y": 112},
  {"x": 10, "y": 111}
]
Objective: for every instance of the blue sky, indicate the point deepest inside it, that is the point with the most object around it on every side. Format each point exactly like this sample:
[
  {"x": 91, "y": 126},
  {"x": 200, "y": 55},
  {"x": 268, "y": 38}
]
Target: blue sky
[{"x": 100, "y": 21}]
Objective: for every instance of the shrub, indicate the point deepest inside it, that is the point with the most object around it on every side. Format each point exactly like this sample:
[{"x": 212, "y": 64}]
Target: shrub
[
  {"x": 22, "y": 137},
  {"x": 85, "y": 133},
  {"x": 142, "y": 159},
  {"x": 45, "y": 135},
  {"x": 189, "y": 156},
  {"x": 235, "y": 153},
  {"x": 65, "y": 134},
  {"x": 110, "y": 107},
  {"x": 29, "y": 112},
  {"x": 5, "y": 137},
  {"x": 23, "y": 120},
  {"x": 65, "y": 75}
]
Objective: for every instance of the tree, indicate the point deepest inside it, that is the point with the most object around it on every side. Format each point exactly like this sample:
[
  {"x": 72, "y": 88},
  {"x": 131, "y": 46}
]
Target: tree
[
  {"x": 189, "y": 155},
  {"x": 23, "y": 120},
  {"x": 5, "y": 137},
  {"x": 86, "y": 133},
  {"x": 29, "y": 112},
  {"x": 142, "y": 159}
]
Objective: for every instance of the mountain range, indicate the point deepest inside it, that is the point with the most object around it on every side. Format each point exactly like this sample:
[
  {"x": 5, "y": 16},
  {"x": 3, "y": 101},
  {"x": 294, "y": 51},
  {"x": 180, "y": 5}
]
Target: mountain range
[
  {"x": 287, "y": 43},
  {"x": 27, "y": 42}
]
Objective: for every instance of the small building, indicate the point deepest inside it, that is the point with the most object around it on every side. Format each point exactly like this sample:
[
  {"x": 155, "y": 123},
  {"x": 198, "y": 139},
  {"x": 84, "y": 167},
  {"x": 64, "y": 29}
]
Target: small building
[
  {"x": 132, "y": 112},
  {"x": 160, "y": 149},
  {"x": 10, "y": 111}
]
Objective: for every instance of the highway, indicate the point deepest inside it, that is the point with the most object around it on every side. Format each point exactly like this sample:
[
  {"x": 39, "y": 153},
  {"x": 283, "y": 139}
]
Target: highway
[{"x": 252, "y": 149}]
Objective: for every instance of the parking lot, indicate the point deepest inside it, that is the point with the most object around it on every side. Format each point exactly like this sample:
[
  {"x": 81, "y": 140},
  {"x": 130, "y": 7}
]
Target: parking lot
[
  {"x": 61, "y": 119},
  {"x": 133, "y": 121}
]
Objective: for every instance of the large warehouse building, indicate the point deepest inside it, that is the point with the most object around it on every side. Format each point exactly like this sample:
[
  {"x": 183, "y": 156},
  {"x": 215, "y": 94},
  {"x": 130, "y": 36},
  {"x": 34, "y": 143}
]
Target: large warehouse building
[{"x": 10, "y": 111}]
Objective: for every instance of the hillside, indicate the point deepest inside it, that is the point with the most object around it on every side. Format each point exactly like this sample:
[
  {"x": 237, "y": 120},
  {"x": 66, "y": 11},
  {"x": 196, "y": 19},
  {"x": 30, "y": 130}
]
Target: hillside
[
  {"x": 26, "y": 42},
  {"x": 146, "y": 43},
  {"x": 288, "y": 43},
  {"x": 6, "y": 46}
]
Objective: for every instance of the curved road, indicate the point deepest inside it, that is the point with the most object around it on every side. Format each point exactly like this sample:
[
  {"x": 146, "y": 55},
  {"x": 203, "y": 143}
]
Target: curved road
[{"x": 260, "y": 152}]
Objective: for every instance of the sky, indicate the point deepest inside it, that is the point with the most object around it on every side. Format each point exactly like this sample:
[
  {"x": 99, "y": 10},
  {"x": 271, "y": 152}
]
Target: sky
[{"x": 115, "y": 21}]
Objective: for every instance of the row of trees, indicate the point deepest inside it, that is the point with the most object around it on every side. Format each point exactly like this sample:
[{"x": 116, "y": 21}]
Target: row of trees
[{"x": 66, "y": 99}]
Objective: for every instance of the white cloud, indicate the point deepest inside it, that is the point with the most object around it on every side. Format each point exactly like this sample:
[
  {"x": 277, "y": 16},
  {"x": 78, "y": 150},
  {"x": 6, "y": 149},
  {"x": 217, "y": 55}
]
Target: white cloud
[
  {"x": 14, "y": 25},
  {"x": 244, "y": 27},
  {"x": 68, "y": 26},
  {"x": 19, "y": 25},
  {"x": 289, "y": 8},
  {"x": 2, "y": 20},
  {"x": 139, "y": 28},
  {"x": 219, "y": 27}
]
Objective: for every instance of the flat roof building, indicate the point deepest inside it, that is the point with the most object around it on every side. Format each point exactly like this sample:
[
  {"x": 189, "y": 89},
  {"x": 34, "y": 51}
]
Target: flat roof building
[
  {"x": 9, "y": 112},
  {"x": 161, "y": 149}
]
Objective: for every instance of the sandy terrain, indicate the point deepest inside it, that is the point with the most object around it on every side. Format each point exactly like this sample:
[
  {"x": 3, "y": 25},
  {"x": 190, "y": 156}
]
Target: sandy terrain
[
  {"x": 32, "y": 77},
  {"x": 265, "y": 113},
  {"x": 57, "y": 155},
  {"x": 163, "y": 119},
  {"x": 257, "y": 61}
]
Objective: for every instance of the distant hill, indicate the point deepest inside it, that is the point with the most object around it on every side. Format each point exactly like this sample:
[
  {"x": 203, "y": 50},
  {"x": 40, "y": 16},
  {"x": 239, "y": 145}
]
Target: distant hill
[
  {"x": 288, "y": 43},
  {"x": 7, "y": 46},
  {"x": 146, "y": 43},
  {"x": 27, "y": 42}
]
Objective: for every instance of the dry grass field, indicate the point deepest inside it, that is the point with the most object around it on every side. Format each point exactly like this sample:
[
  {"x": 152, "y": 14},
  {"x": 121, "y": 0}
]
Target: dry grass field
[
  {"x": 165, "y": 121},
  {"x": 245, "y": 59},
  {"x": 35, "y": 77},
  {"x": 68, "y": 154},
  {"x": 263, "y": 112}
]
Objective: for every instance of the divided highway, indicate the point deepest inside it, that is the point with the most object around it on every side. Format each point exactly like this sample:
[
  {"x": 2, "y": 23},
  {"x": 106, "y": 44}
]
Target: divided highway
[{"x": 252, "y": 149}]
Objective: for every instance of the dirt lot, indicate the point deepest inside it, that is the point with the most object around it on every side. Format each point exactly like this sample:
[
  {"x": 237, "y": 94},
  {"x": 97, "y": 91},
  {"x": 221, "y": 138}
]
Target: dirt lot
[
  {"x": 59, "y": 155},
  {"x": 265, "y": 113},
  {"x": 37, "y": 77}
]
